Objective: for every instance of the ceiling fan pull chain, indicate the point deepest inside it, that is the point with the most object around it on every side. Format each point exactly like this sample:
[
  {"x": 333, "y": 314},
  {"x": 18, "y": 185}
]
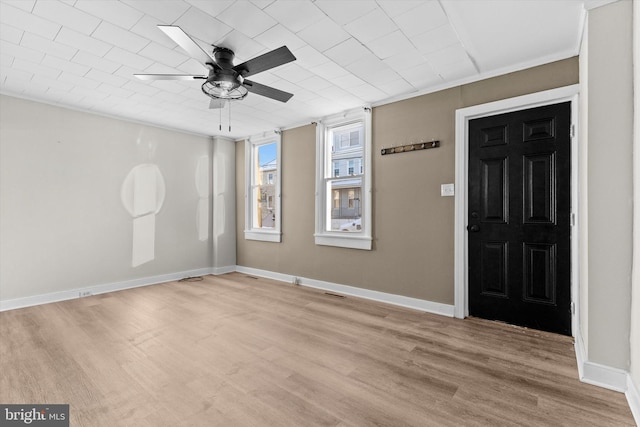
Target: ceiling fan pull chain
[
  {"x": 220, "y": 119},
  {"x": 229, "y": 115}
]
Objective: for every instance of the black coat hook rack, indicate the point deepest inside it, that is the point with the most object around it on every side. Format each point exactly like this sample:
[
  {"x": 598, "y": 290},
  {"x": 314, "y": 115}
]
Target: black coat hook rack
[{"x": 410, "y": 147}]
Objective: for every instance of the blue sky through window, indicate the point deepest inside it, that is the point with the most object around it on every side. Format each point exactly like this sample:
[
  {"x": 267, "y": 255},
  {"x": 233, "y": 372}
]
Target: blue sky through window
[{"x": 266, "y": 153}]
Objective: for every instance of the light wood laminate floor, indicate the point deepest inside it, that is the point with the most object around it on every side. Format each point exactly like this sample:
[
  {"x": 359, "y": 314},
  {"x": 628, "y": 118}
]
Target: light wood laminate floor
[{"x": 233, "y": 350}]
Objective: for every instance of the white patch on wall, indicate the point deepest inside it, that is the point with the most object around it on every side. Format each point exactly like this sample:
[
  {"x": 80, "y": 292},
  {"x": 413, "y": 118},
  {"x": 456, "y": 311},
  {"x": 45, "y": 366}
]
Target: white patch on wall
[
  {"x": 142, "y": 195},
  {"x": 202, "y": 185}
]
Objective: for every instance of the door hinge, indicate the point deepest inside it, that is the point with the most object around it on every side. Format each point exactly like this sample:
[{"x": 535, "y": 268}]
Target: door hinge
[
  {"x": 573, "y": 131},
  {"x": 573, "y": 220},
  {"x": 573, "y": 307}
]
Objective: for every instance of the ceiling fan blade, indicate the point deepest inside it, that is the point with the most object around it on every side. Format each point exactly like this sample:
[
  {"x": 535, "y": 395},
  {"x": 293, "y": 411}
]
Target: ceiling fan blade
[
  {"x": 183, "y": 40},
  {"x": 215, "y": 104},
  {"x": 264, "y": 62},
  {"x": 168, "y": 77},
  {"x": 268, "y": 91}
]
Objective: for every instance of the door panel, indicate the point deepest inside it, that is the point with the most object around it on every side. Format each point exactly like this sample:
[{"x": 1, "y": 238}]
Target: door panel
[{"x": 519, "y": 218}]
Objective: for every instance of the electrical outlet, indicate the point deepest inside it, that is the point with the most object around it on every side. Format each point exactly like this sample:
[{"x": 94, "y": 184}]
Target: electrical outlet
[{"x": 84, "y": 294}]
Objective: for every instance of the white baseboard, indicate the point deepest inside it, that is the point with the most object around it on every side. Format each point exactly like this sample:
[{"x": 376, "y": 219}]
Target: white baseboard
[
  {"x": 216, "y": 271},
  {"x": 597, "y": 374},
  {"x": 633, "y": 398},
  {"x": 399, "y": 300},
  {"x": 98, "y": 289}
]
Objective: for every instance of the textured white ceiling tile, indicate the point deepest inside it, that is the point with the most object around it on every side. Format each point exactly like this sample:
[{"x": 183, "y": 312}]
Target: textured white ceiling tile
[
  {"x": 115, "y": 12},
  {"x": 123, "y": 57},
  {"x": 449, "y": 55},
  {"x": 52, "y": 48},
  {"x": 244, "y": 47},
  {"x": 213, "y": 8},
  {"x": 80, "y": 41},
  {"x": 347, "y": 52},
  {"x": 266, "y": 78},
  {"x": 398, "y": 7},
  {"x": 37, "y": 69},
  {"x": 397, "y": 87},
  {"x": 15, "y": 74},
  {"x": 202, "y": 26},
  {"x": 26, "y": 5},
  {"x": 194, "y": 67},
  {"x": 93, "y": 61},
  {"x": 262, "y": 3},
  {"x": 119, "y": 37},
  {"x": 77, "y": 80},
  {"x": 324, "y": 34},
  {"x": 157, "y": 68},
  {"x": 10, "y": 34},
  {"x": 436, "y": 39},
  {"x": 392, "y": 44},
  {"x": 502, "y": 38},
  {"x": 402, "y": 61},
  {"x": 20, "y": 52},
  {"x": 456, "y": 70},
  {"x": 421, "y": 76},
  {"x": 27, "y": 22},
  {"x": 348, "y": 80},
  {"x": 371, "y": 26},
  {"x": 72, "y": 67},
  {"x": 329, "y": 70},
  {"x": 147, "y": 27},
  {"x": 367, "y": 92},
  {"x": 119, "y": 94},
  {"x": 427, "y": 16},
  {"x": 295, "y": 15},
  {"x": 365, "y": 65},
  {"x": 108, "y": 78},
  {"x": 12, "y": 84},
  {"x": 171, "y": 86},
  {"x": 309, "y": 58},
  {"x": 277, "y": 36},
  {"x": 6, "y": 60},
  {"x": 345, "y": 11},
  {"x": 248, "y": 19},
  {"x": 293, "y": 72},
  {"x": 162, "y": 11},
  {"x": 315, "y": 83},
  {"x": 161, "y": 54},
  {"x": 66, "y": 15}
]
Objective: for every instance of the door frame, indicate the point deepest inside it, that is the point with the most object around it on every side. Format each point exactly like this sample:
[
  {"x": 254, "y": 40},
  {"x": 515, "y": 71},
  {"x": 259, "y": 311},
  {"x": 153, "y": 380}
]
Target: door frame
[{"x": 463, "y": 116}]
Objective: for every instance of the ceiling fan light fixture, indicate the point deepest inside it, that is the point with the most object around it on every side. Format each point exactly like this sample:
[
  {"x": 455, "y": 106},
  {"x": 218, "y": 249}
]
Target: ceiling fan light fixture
[
  {"x": 224, "y": 84},
  {"x": 224, "y": 91}
]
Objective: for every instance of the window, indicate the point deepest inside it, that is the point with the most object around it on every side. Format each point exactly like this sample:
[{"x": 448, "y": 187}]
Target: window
[
  {"x": 343, "y": 203},
  {"x": 262, "y": 194}
]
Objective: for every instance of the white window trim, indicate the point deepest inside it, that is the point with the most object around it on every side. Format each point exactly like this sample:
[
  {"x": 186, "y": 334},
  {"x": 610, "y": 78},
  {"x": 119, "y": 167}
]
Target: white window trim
[
  {"x": 265, "y": 235},
  {"x": 355, "y": 240}
]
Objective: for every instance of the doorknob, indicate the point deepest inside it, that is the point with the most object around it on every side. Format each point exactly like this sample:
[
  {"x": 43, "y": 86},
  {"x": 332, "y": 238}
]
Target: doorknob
[{"x": 473, "y": 228}]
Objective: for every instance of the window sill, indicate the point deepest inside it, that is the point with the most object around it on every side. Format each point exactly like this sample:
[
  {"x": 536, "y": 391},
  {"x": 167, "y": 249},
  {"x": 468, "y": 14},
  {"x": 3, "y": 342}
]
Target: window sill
[
  {"x": 264, "y": 236},
  {"x": 344, "y": 241}
]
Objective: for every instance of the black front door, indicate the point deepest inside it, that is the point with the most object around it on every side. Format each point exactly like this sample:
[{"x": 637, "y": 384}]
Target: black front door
[{"x": 519, "y": 218}]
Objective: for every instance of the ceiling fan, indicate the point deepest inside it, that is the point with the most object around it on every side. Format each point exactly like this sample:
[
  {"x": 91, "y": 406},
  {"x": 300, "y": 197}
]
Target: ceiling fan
[{"x": 226, "y": 81}]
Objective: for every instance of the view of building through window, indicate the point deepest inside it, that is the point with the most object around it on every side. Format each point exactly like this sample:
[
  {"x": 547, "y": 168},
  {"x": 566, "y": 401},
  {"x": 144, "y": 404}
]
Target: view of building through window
[
  {"x": 265, "y": 186},
  {"x": 345, "y": 183}
]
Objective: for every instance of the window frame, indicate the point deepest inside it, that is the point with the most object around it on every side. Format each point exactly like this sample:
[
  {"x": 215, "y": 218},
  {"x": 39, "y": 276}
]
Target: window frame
[
  {"x": 251, "y": 145},
  {"x": 324, "y": 163}
]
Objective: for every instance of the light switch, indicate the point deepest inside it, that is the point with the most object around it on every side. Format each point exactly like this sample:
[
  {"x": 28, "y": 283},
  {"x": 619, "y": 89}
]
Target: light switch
[{"x": 447, "y": 190}]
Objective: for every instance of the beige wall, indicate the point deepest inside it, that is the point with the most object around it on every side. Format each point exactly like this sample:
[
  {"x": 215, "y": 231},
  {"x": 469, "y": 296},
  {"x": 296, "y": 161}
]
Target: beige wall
[
  {"x": 62, "y": 222},
  {"x": 413, "y": 252},
  {"x": 635, "y": 291},
  {"x": 609, "y": 184}
]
